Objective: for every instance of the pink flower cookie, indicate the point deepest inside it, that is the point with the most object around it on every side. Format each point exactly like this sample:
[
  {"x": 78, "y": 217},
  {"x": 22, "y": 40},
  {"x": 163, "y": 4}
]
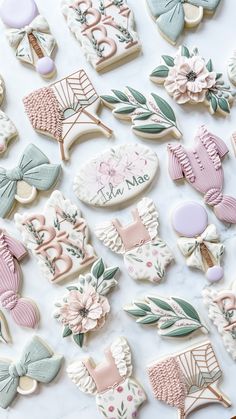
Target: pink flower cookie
[
  {"x": 58, "y": 238},
  {"x": 117, "y": 393},
  {"x": 85, "y": 308},
  {"x": 8, "y": 130},
  {"x": 145, "y": 254}
]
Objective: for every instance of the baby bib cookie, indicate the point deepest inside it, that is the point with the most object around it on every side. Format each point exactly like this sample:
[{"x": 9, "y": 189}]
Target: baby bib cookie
[
  {"x": 105, "y": 29},
  {"x": 117, "y": 392},
  {"x": 66, "y": 111},
  {"x": 221, "y": 304},
  {"x": 58, "y": 238},
  {"x": 201, "y": 166},
  {"x": 4, "y": 331},
  {"x": 189, "y": 78},
  {"x": 151, "y": 117},
  {"x": 174, "y": 317},
  {"x": 188, "y": 380},
  {"x": 8, "y": 130},
  {"x": 29, "y": 35},
  {"x": 146, "y": 256},
  {"x": 85, "y": 307},
  {"x": 172, "y": 16},
  {"x": 37, "y": 364},
  {"x": 116, "y": 175},
  {"x": 33, "y": 173},
  {"x": 198, "y": 242}
]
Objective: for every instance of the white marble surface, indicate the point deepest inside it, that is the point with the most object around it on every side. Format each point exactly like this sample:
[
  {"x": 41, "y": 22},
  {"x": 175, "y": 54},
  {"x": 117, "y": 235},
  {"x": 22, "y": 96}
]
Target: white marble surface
[{"x": 62, "y": 400}]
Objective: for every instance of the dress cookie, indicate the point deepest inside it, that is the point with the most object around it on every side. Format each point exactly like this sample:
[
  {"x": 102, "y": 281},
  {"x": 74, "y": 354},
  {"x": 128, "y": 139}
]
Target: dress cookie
[
  {"x": 116, "y": 175},
  {"x": 222, "y": 311},
  {"x": 66, "y": 111},
  {"x": 23, "y": 310},
  {"x": 145, "y": 254},
  {"x": 151, "y": 117},
  {"x": 188, "y": 380},
  {"x": 38, "y": 364},
  {"x": 8, "y": 130},
  {"x": 32, "y": 174},
  {"x": 202, "y": 168},
  {"x": 104, "y": 28},
  {"x": 58, "y": 238},
  {"x": 172, "y": 16},
  {"x": 198, "y": 242},
  {"x": 188, "y": 78},
  {"x": 117, "y": 393},
  {"x": 4, "y": 331},
  {"x": 84, "y": 308},
  {"x": 29, "y": 35}
]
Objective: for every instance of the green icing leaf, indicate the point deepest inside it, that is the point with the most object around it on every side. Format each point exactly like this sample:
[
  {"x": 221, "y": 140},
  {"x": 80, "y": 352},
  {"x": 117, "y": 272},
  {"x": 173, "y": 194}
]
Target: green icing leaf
[
  {"x": 214, "y": 103},
  {"x": 143, "y": 306},
  {"x": 110, "y": 273},
  {"x": 161, "y": 304},
  {"x": 223, "y": 104},
  {"x": 139, "y": 97},
  {"x": 150, "y": 128},
  {"x": 79, "y": 339},
  {"x": 187, "y": 308},
  {"x": 185, "y": 51},
  {"x": 164, "y": 107},
  {"x": 143, "y": 116},
  {"x": 72, "y": 288},
  {"x": 98, "y": 268},
  {"x": 135, "y": 312},
  {"x": 169, "y": 60},
  {"x": 125, "y": 110},
  {"x": 209, "y": 66},
  {"x": 218, "y": 76},
  {"x": 149, "y": 319},
  {"x": 161, "y": 71},
  {"x": 168, "y": 323},
  {"x": 66, "y": 332},
  {"x": 120, "y": 95},
  {"x": 183, "y": 331},
  {"x": 110, "y": 99}
]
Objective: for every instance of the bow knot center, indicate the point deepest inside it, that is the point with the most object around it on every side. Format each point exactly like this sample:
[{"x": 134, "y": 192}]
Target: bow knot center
[
  {"x": 15, "y": 174},
  {"x": 28, "y": 29},
  {"x": 9, "y": 299},
  {"x": 199, "y": 240},
  {"x": 17, "y": 369},
  {"x": 213, "y": 197}
]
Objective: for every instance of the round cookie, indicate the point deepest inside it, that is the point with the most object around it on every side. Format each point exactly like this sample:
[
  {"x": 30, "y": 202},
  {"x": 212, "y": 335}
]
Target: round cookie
[{"x": 17, "y": 14}]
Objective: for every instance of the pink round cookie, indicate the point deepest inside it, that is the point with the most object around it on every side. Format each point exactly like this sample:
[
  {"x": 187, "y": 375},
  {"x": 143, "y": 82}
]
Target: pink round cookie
[
  {"x": 45, "y": 66},
  {"x": 189, "y": 219},
  {"x": 18, "y": 13}
]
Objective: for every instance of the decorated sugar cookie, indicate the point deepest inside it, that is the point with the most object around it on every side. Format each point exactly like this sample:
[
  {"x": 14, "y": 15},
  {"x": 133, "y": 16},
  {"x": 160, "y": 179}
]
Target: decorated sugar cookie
[
  {"x": 33, "y": 173},
  {"x": 29, "y": 35},
  {"x": 146, "y": 256},
  {"x": 58, "y": 238},
  {"x": 117, "y": 393},
  {"x": 104, "y": 28},
  {"x": 66, "y": 111},
  {"x": 37, "y": 364},
  {"x": 188, "y": 380},
  {"x": 84, "y": 308},
  {"x": 222, "y": 311},
  {"x": 232, "y": 68},
  {"x": 23, "y": 310},
  {"x": 4, "y": 331},
  {"x": 172, "y": 16},
  {"x": 199, "y": 242},
  {"x": 174, "y": 317},
  {"x": 7, "y": 128},
  {"x": 189, "y": 78},
  {"x": 201, "y": 166},
  {"x": 116, "y": 175},
  {"x": 151, "y": 116}
]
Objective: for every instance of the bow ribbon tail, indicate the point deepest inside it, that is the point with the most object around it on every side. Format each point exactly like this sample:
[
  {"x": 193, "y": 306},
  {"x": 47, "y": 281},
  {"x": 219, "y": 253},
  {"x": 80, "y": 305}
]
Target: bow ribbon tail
[
  {"x": 42, "y": 177},
  {"x": 8, "y": 385},
  {"x": 171, "y": 23},
  {"x": 7, "y": 196}
]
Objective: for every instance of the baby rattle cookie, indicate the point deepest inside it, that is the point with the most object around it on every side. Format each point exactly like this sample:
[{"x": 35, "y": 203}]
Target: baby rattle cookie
[
  {"x": 189, "y": 78},
  {"x": 116, "y": 175},
  {"x": 38, "y": 364},
  {"x": 4, "y": 331},
  {"x": 33, "y": 173},
  {"x": 188, "y": 380},
  {"x": 8, "y": 130},
  {"x": 29, "y": 35},
  {"x": 58, "y": 238},
  {"x": 66, "y": 111},
  {"x": 85, "y": 307},
  {"x": 151, "y": 117},
  {"x": 117, "y": 393},
  {"x": 145, "y": 254},
  {"x": 104, "y": 28},
  {"x": 173, "y": 16},
  {"x": 198, "y": 242}
]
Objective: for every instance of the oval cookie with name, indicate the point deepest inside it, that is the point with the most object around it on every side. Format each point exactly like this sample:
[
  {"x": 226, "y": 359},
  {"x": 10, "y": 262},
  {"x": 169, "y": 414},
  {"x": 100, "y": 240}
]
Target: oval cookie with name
[{"x": 117, "y": 175}]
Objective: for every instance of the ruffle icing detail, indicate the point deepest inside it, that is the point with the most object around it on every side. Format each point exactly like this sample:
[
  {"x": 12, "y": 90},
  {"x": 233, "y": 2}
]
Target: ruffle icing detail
[
  {"x": 182, "y": 157},
  {"x": 122, "y": 355},
  {"x": 207, "y": 140},
  {"x": 5, "y": 253},
  {"x": 80, "y": 376},
  {"x": 149, "y": 216}
]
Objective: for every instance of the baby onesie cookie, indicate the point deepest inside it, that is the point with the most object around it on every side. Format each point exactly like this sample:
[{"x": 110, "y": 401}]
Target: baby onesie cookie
[
  {"x": 172, "y": 16},
  {"x": 33, "y": 173},
  {"x": 23, "y": 310},
  {"x": 116, "y": 175},
  {"x": 58, "y": 238},
  {"x": 145, "y": 254},
  {"x": 38, "y": 364},
  {"x": 151, "y": 117},
  {"x": 188, "y": 380},
  {"x": 117, "y": 393},
  {"x": 84, "y": 308},
  {"x": 222, "y": 311},
  {"x": 8, "y": 130},
  {"x": 188, "y": 78},
  {"x": 174, "y": 317},
  {"x": 4, "y": 331},
  {"x": 202, "y": 168},
  {"x": 198, "y": 242},
  {"x": 29, "y": 35},
  {"x": 104, "y": 28},
  {"x": 66, "y": 111}
]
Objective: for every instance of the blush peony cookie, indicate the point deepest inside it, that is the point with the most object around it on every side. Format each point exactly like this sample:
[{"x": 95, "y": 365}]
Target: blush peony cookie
[
  {"x": 117, "y": 393},
  {"x": 58, "y": 238},
  {"x": 8, "y": 130},
  {"x": 105, "y": 29}
]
